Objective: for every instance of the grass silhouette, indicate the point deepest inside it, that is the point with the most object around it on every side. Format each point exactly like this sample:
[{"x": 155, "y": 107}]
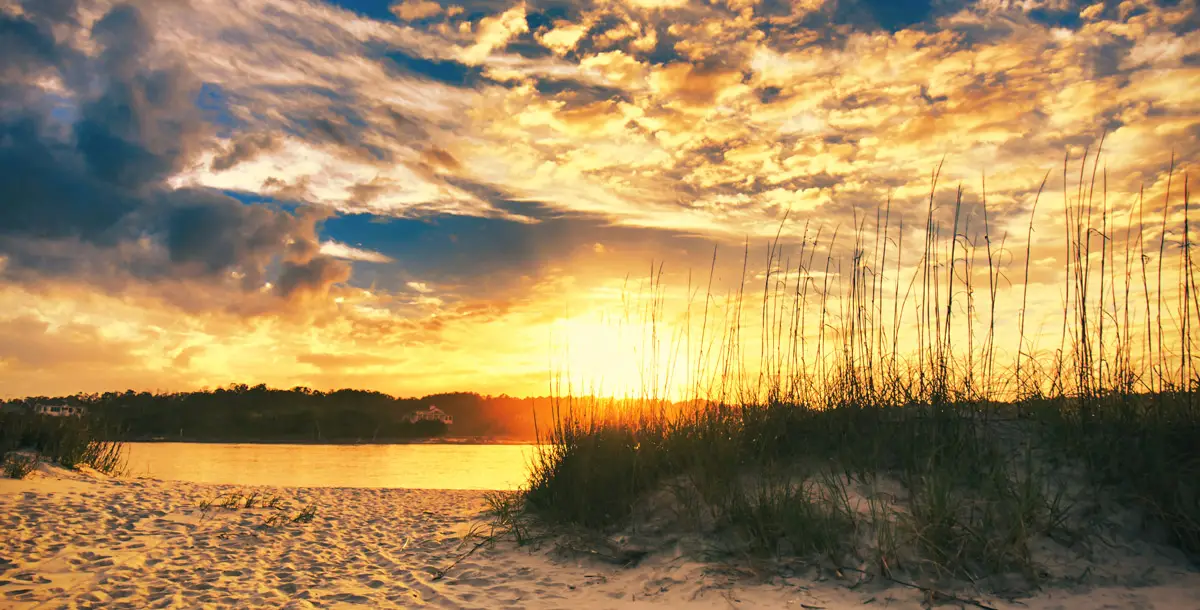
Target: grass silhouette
[{"x": 936, "y": 459}]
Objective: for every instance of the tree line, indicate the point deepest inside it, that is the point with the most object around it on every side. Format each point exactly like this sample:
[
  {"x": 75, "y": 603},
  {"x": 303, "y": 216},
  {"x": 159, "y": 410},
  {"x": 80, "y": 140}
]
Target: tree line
[{"x": 245, "y": 413}]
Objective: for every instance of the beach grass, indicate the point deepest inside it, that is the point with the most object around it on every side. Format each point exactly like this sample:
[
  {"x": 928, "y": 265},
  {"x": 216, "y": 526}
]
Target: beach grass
[
  {"x": 20, "y": 465},
  {"x": 942, "y": 461},
  {"x": 66, "y": 441},
  {"x": 277, "y": 510}
]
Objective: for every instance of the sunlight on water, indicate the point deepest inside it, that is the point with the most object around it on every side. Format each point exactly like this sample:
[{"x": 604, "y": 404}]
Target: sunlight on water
[{"x": 415, "y": 466}]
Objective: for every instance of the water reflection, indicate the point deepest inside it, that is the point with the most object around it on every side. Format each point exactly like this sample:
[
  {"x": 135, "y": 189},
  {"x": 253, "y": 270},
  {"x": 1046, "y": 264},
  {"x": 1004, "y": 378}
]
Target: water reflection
[{"x": 414, "y": 466}]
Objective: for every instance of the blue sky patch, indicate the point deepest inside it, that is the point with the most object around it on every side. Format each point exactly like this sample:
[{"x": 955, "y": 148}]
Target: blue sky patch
[
  {"x": 214, "y": 104},
  {"x": 446, "y": 71}
]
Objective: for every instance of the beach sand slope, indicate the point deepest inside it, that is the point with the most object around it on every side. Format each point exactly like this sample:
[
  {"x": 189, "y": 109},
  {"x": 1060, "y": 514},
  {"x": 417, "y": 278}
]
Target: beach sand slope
[{"x": 82, "y": 540}]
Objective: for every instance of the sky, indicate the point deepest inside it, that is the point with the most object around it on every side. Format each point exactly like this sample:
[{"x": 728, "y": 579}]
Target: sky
[{"x": 425, "y": 196}]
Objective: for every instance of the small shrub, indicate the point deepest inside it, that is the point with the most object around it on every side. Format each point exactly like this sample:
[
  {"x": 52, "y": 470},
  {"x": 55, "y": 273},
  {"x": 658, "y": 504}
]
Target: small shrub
[
  {"x": 281, "y": 511},
  {"x": 18, "y": 466},
  {"x": 284, "y": 517},
  {"x": 66, "y": 441},
  {"x": 306, "y": 514}
]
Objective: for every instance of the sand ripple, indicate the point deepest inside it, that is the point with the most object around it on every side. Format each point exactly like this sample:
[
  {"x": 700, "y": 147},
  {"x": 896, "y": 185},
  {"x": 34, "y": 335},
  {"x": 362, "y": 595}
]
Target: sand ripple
[{"x": 70, "y": 541}]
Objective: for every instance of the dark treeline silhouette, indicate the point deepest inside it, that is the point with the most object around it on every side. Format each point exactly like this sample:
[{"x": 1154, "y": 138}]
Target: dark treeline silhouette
[{"x": 257, "y": 413}]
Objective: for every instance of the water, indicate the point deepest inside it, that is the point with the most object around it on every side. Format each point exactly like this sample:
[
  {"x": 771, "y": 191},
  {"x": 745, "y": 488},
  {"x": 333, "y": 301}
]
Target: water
[{"x": 416, "y": 466}]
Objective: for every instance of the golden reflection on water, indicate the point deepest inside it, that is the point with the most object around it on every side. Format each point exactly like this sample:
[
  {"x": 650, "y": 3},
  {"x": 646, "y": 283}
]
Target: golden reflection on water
[{"x": 410, "y": 466}]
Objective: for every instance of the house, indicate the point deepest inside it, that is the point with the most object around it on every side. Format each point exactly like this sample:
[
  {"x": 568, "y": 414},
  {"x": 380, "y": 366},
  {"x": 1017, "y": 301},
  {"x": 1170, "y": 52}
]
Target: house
[
  {"x": 431, "y": 414},
  {"x": 59, "y": 410}
]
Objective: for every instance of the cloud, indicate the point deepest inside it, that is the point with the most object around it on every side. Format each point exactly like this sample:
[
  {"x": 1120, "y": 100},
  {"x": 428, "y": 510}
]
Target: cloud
[
  {"x": 563, "y": 38},
  {"x": 89, "y": 198},
  {"x": 412, "y": 10},
  {"x": 212, "y": 233},
  {"x": 143, "y": 126},
  {"x": 350, "y": 253},
  {"x": 244, "y": 148},
  {"x": 184, "y": 358},
  {"x": 222, "y": 157},
  {"x": 495, "y": 32},
  {"x": 31, "y": 344},
  {"x": 312, "y": 277},
  {"x": 729, "y": 103}
]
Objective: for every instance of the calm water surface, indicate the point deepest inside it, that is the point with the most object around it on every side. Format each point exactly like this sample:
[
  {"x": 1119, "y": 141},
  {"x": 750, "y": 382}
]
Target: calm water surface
[{"x": 399, "y": 466}]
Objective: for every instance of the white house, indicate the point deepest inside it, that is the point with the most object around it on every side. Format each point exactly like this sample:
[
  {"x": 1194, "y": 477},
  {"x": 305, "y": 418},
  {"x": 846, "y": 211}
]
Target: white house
[
  {"x": 59, "y": 410},
  {"x": 431, "y": 414}
]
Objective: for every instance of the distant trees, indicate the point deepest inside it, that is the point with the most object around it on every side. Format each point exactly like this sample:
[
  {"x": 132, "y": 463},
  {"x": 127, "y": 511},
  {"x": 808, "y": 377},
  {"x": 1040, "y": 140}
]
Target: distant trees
[{"x": 241, "y": 412}]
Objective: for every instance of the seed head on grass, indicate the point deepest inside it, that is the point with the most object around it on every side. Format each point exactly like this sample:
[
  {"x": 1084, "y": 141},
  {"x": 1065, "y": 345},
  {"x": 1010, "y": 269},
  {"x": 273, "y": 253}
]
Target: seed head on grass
[{"x": 835, "y": 395}]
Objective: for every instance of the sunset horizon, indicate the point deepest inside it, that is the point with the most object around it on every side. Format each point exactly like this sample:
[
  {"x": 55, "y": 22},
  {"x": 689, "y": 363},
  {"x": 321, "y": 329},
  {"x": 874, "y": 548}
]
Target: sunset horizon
[{"x": 420, "y": 198}]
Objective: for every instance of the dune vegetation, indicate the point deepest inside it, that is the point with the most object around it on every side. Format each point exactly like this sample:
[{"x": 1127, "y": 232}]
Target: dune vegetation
[
  {"x": 845, "y": 449},
  {"x": 27, "y": 439}
]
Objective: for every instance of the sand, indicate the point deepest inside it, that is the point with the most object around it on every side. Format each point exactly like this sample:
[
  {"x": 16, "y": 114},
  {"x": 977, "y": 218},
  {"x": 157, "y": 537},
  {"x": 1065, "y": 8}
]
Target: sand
[{"x": 82, "y": 540}]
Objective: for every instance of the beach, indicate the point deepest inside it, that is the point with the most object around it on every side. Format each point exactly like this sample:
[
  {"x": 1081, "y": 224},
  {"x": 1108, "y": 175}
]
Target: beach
[{"x": 75, "y": 539}]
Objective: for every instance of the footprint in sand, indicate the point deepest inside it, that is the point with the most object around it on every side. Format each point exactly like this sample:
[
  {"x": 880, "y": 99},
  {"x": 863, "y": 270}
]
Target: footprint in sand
[
  {"x": 349, "y": 598},
  {"x": 31, "y": 578},
  {"x": 19, "y": 594},
  {"x": 123, "y": 592},
  {"x": 91, "y": 560}
]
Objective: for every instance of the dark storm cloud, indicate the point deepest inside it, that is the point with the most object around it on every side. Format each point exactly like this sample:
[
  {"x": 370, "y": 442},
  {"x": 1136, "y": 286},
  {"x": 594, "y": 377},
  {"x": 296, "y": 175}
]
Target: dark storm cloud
[
  {"x": 25, "y": 45},
  {"x": 311, "y": 276},
  {"x": 48, "y": 191},
  {"x": 211, "y": 232},
  {"x": 89, "y": 200}
]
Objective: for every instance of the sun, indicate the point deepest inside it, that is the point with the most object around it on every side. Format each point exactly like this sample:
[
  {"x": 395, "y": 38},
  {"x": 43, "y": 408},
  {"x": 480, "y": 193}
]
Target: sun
[{"x": 594, "y": 355}]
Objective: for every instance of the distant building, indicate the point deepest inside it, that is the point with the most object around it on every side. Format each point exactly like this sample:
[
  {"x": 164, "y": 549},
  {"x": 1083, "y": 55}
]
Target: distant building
[
  {"x": 431, "y": 414},
  {"x": 59, "y": 410}
]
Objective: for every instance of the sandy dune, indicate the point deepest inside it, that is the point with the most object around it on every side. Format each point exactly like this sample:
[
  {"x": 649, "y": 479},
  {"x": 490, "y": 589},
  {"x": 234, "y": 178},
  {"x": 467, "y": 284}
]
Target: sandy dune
[{"x": 72, "y": 540}]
